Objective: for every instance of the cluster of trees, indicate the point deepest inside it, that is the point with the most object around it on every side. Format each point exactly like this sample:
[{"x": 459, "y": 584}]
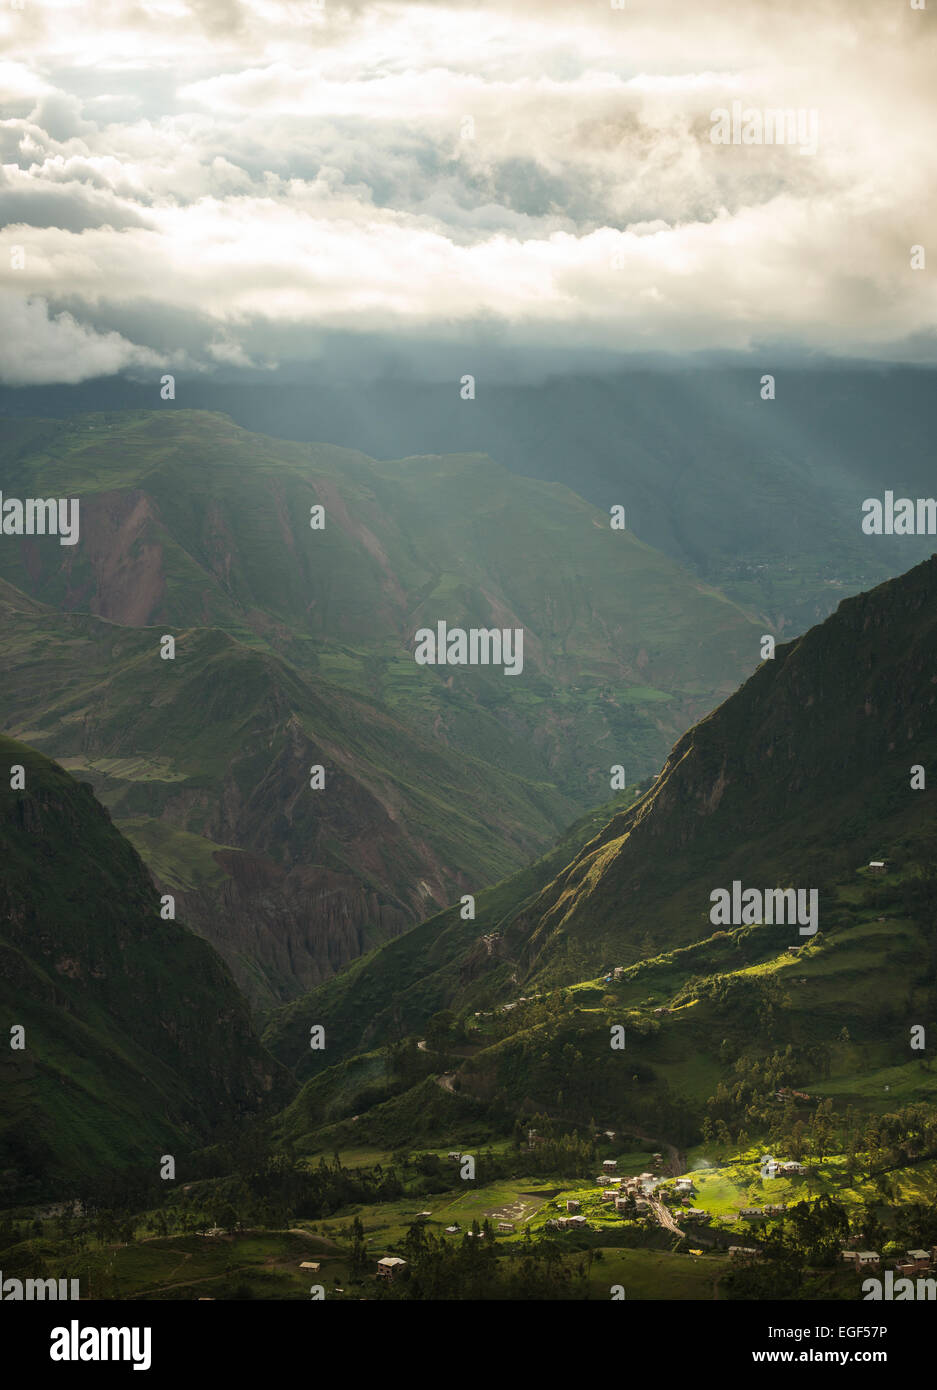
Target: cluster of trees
[
  {"x": 812, "y": 1235},
  {"x": 748, "y": 1104},
  {"x": 470, "y": 1267},
  {"x": 907, "y": 1136}
]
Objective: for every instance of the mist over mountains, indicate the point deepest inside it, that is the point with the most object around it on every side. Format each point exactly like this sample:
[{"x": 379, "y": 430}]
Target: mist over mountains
[{"x": 760, "y": 497}]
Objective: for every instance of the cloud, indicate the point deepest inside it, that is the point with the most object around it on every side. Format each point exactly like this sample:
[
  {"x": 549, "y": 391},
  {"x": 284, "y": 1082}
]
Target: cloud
[
  {"x": 540, "y": 174},
  {"x": 37, "y": 348}
]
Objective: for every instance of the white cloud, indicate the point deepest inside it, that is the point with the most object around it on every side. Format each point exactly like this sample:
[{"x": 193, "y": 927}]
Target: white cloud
[
  {"x": 261, "y": 166},
  {"x": 37, "y": 347}
]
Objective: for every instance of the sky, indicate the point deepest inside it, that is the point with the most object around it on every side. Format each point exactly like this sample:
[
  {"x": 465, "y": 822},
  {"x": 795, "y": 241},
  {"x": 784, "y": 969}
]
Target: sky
[{"x": 220, "y": 188}]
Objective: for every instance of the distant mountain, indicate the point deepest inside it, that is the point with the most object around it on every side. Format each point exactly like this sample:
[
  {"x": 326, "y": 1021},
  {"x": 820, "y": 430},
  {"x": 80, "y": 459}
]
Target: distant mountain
[
  {"x": 137, "y": 1042},
  {"x": 759, "y": 497},
  {"x": 798, "y": 780},
  {"x": 295, "y": 649}
]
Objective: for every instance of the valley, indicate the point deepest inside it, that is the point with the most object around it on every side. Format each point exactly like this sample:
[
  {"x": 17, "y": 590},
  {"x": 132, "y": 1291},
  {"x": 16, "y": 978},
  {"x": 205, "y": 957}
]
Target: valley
[
  {"x": 294, "y": 647},
  {"x": 604, "y": 987}
]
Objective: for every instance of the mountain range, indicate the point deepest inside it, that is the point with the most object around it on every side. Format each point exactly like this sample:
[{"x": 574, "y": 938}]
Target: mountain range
[
  {"x": 805, "y": 776},
  {"x": 295, "y": 650}
]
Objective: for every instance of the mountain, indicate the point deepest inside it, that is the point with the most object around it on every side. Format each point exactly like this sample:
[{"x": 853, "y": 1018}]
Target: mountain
[
  {"x": 395, "y": 988},
  {"x": 137, "y": 1042},
  {"x": 295, "y": 649},
  {"x": 759, "y": 497},
  {"x": 798, "y": 780},
  {"x": 803, "y": 774}
]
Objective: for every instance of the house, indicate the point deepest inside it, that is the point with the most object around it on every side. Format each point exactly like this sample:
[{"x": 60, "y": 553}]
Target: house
[
  {"x": 775, "y": 1209},
  {"x": 423, "y": 1215},
  {"x": 572, "y": 1204},
  {"x": 452, "y": 1230},
  {"x": 738, "y": 1252},
  {"x": 577, "y": 1222},
  {"x": 865, "y": 1259},
  {"x": 390, "y": 1266},
  {"x": 609, "y": 1195},
  {"x": 920, "y": 1259},
  {"x": 684, "y": 1185},
  {"x": 642, "y": 1204},
  {"x": 454, "y": 1156},
  {"x": 610, "y": 1164},
  {"x": 506, "y": 1226},
  {"x": 789, "y": 1168},
  {"x": 698, "y": 1214},
  {"x": 618, "y": 972},
  {"x": 310, "y": 1264},
  {"x": 621, "y": 1203},
  {"x": 561, "y": 1223},
  {"x": 752, "y": 1213},
  {"x": 877, "y": 866}
]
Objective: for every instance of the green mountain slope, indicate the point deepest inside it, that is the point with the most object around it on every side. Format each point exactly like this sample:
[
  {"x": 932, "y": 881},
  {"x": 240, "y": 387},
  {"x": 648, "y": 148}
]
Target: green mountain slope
[
  {"x": 137, "y": 1042},
  {"x": 801, "y": 776},
  {"x": 295, "y": 646},
  {"x": 798, "y": 780}
]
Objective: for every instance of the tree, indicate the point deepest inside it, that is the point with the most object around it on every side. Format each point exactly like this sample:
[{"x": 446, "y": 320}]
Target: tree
[
  {"x": 440, "y": 1029},
  {"x": 359, "y": 1253}
]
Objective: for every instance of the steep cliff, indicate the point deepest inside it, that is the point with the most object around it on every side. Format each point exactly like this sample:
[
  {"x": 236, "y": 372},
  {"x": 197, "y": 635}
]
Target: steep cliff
[{"x": 135, "y": 1040}]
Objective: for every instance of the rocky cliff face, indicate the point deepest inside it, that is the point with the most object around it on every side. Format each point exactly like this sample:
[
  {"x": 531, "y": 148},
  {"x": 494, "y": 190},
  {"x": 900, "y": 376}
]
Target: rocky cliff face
[{"x": 284, "y": 931}]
